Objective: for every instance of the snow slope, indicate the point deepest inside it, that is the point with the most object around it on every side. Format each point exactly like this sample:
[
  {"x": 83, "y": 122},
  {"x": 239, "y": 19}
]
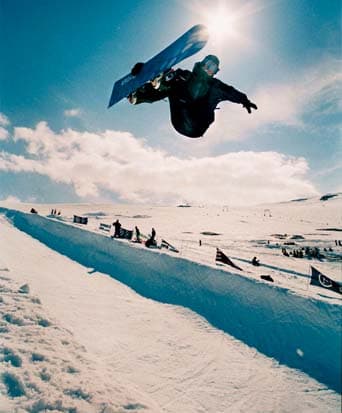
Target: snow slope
[{"x": 187, "y": 369}]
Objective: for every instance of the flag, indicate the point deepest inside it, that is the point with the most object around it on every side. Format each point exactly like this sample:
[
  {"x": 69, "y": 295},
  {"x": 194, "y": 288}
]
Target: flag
[
  {"x": 126, "y": 233},
  {"x": 221, "y": 257},
  {"x": 165, "y": 244},
  {"x": 317, "y": 278}
]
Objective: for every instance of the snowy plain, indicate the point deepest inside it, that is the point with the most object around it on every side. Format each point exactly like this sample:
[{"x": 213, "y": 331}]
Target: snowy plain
[{"x": 92, "y": 324}]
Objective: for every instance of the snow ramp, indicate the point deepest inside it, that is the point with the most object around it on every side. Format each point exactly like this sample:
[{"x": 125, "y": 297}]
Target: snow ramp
[{"x": 300, "y": 332}]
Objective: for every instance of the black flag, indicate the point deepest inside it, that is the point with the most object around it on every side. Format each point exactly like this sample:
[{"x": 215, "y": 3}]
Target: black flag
[
  {"x": 221, "y": 257},
  {"x": 317, "y": 278}
]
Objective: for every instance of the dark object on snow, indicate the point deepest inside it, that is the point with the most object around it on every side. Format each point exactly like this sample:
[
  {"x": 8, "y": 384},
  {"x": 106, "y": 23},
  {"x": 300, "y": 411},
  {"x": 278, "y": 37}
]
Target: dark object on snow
[
  {"x": 283, "y": 250},
  {"x": 255, "y": 262},
  {"x": 327, "y": 196},
  {"x": 151, "y": 242},
  {"x": 210, "y": 233},
  {"x": 321, "y": 280},
  {"x": 167, "y": 245},
  {"x": 137, "y": 235},
  {"x": 267, "y": 278},
  {"x": 33, "y": 211},
  {"x": 124, "y": 234},
  {"x": 24, "y": 289},
  {"x": 105, "y": 227},
  {"x": 117, "y": 227},
  {"x": 221, "y": 257},
  {"x": 80, "y": 220}
]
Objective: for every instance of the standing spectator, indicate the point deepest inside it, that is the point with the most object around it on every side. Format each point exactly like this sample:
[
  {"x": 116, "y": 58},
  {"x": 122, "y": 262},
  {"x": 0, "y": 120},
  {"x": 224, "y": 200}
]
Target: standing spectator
[
  {"x": 137, "y": 234},
  {"x": 152, "y": 240},
  {"x": 117, "y": 227}
]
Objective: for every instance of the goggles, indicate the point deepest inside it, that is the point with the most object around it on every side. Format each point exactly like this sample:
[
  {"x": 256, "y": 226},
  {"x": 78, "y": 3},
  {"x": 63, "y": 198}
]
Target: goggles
[{"x": 211, "y": 67}]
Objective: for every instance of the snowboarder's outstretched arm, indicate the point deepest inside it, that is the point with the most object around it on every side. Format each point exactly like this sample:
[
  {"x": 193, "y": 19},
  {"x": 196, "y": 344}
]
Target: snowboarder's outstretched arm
[{"x": 226, "y": 92}]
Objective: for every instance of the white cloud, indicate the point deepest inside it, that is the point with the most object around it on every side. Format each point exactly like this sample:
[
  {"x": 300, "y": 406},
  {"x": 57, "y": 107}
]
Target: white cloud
[
  {"x": 3, "y": 134},
  {"x": 11, "y": 200},
  {"x": 281, "y": 104},
  {"x": 4, "y": 121},
  {"x": 73, "y": 113},
  {"x": 117, "y": 162}
]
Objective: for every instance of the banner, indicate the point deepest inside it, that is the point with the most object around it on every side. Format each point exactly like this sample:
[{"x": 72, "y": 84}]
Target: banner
[
  {"x": 221, "y": 257},
  {"x": 321, "y": 280}
]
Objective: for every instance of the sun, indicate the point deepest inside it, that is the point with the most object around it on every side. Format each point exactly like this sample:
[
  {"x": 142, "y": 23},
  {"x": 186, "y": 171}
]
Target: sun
[{"x": 221, "y": 23}]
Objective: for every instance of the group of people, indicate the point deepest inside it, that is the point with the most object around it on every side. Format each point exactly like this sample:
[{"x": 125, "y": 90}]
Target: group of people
[
  {"x": 307, "y": 252},
  {"x": 54, "y": 212},
  {"x": 150, "y": 242}
]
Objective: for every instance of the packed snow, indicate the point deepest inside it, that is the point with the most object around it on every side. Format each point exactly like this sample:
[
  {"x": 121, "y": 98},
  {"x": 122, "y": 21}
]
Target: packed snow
[{"x": 95, "y": 324}]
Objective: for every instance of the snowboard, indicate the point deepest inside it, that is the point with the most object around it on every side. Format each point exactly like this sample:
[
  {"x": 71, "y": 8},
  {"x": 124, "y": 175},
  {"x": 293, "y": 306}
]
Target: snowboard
[{"x": 185, "y": 46}]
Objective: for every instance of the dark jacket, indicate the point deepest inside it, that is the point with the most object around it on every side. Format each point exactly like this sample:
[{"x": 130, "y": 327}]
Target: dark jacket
[{"x": 193, "y": 98}]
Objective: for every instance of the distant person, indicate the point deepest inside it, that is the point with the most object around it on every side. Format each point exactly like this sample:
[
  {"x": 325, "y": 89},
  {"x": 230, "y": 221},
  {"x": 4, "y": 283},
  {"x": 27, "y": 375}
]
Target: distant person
[
  {"x": 137, "y": 234},
  {"x": 152, "y": 240},
  {"x": 255, "y": 262},
  {"x": 117, "y": 227}
]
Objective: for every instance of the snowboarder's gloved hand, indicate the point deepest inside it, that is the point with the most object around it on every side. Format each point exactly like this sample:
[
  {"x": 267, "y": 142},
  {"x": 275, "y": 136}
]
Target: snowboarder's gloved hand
[
  {"x": 249, "y": 106},
  {"x": 136, "y": 69}
]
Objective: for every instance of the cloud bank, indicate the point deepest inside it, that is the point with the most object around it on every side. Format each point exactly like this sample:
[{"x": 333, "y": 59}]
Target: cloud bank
[
  {"x": 118, "y": 163},
  {"x": 316, "y": 89}
]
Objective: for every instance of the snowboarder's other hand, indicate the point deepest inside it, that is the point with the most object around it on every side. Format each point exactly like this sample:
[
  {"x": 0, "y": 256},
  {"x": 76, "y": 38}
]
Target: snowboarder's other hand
[{"x": 249, "y": 106}]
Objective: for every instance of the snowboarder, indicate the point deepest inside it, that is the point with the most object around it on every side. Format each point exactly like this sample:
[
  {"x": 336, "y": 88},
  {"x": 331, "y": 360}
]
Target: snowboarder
[{"x": 193, "y": 96}]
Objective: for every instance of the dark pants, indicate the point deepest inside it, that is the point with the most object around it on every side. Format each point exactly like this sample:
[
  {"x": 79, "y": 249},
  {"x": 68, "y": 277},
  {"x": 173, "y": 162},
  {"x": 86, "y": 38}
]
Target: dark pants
[{"x": 191, "y": 118}]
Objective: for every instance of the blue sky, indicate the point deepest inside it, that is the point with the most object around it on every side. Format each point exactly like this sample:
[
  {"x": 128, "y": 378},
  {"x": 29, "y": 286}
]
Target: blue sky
[{"x": 60, "y": 143}]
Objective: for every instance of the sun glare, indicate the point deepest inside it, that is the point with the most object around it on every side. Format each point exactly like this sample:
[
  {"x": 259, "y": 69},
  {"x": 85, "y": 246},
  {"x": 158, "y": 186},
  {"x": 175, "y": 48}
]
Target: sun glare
[{"x": 221, "y": 24}]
